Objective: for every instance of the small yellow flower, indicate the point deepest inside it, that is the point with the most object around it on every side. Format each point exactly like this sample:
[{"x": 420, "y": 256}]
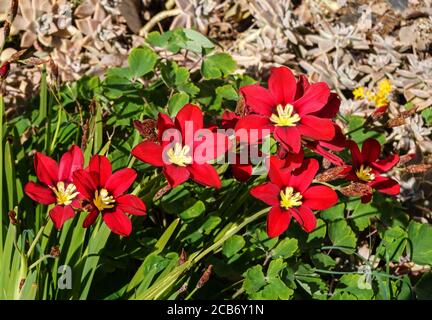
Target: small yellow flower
[
  {"x": 359, "y": 93},
  {"x": 385, "y": 87}
]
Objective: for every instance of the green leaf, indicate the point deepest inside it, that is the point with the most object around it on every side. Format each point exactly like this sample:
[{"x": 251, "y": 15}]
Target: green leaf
[
  {"x": 423, "y": 288},
  {"x": 254, "y": 279},
  {"x": 342, "y": 236},
  {"x": 227, "y": 92},
  {"x": 362, "y": 214},
  {"x": 420, "y": 249},
  {"x": 354, "y": 284},
  {"x": 334, "y": 213},
  {"x": 275, "y": 267},
  {"x": 173, "y": 75},
  {"x": 427, "y": 115},
  {"x": 217, "y": 66},
  {"x": 177, "y": 102},
  {"x": 197, "y": 209},
  {"x": 197, "y": 42},
  {"x": 359, "y": 133},
  {"x": 394, "y": 243},
  {"x": 319, "y": 232},
  {"x": 233, "y": 245},
  {"x": 141, "y": 61},
  {"x": 323, "y": 261},
  {"x": 286, "y": 248}
]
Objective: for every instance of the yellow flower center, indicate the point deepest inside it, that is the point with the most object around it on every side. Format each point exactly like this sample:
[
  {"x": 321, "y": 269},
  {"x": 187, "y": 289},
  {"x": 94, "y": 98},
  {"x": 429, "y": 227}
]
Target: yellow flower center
[
  {"x": 64, "y": 196},
  {"x": 103, "y": 200},
  {"x": 285, "y": 116},
  {"x": 179, "y": 155},
  {"x": 365, "y": 174},
  {"x": 290, "y": 199}
]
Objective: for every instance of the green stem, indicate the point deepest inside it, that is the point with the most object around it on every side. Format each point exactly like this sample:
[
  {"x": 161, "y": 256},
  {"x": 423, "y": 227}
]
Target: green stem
[
  {"x": 155, "y": 291},
  {"x": 57, "y": 129},
  {"x": 36, "y": 239}
]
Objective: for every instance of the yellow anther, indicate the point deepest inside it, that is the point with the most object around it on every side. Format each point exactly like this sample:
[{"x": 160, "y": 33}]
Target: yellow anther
[
  {"x": 103, "y": 200},
  {"x": 290, "y": 199},
  {"x": 365, "y": 174},
  {"x": 179, "y": 155},
  {"x": 285, "y": 116},
  {"x": 64, "y": 196}
]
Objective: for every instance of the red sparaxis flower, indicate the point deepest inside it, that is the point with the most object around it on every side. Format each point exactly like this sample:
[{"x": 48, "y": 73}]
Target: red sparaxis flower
[
  {"x": 178, "y": 156},
  {"x": 290, "y": 194},
  {"x": 366, "y": 168},
  {"x": 288, "y": 109},
  {"x": 56, "y": 184},
  {"x": 105, "y": 193}
]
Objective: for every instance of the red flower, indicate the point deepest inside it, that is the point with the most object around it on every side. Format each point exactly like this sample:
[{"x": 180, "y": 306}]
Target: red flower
[
  {"x": 286, "y": 110},
  {"x": 4, "y": 70},
  {"x": 290, "y": 195},
  {"x": 56, "y": 184},
  {"x": 366, "y": 168},
  {"x": 178, "y": 156},
  {"x": 105, "y": 193}
]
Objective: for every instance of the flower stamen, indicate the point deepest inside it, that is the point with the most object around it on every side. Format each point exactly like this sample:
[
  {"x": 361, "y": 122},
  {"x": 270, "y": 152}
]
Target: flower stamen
[
  {"x": 365, "y": 174},
  {"x": 179, "y": 155},
  {"x": 285, "y": 116},
  {"x": 64, "y": 196},
  {"x": 103, "y": 200},
  {"x": 290, "y": 199}
]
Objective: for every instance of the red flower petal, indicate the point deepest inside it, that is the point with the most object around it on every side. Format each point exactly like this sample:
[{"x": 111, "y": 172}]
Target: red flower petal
[
  {"x": 305, "y": 217},
  {"x": 267, "y": 193},
  {"x": 302, "y": 177},
  {"x": 229, "y": 119},
  {"x": 294, "y": 160},
  {"x": 120, "y": 181},
  {"x": 131, "y": 204},
  {"x": 39, "y": 193},
  {"x": 386, "y": 164},
  {"x": 386, "y": 185},
  {"x": 101, "y": 167},
  {"x": 282, "y": 85},
  {"x": 91, "y": 218},
  {"x": 278, "y": 173},
  {"x": 258, "y": 99},
  {"x": 277, "y": 221},
  {"x": 317, "y": 148},
  {"x": 46, "y": 169},
  {"x": 189, "y": 120},
  {"x": 71, "y": 161},
  {"x": 302, "y": 85},
  {"x": 241, "y": 172},
  {"x": 319, "y": 198},
  {"x": 60, "y": 214},
  {"x": 289, "y": 137},
  {"x": 371, "y": 150},
  {"x": 253, "y": 122},
  {"x": 149, "y": 152},
  {"x": 204, "y": 174},
  {"x": 118, "y": 222},
  {"x": 314, "y": 99},
  {"x": 175, "y": 175},
  {"x": 356, "y": 155},
  {"x": 164, "y": 122},
  {"x": 316, "y": 128},
  {"x": 331, "y": 108},
  {"x": 338, "y": 143},
  {"x": 84, "y": 184},
  {"x": 211, "y": 146}
]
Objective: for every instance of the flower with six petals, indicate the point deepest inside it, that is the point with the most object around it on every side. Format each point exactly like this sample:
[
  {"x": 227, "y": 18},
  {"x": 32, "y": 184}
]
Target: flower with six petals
[
  {"x": 56, "y": 184},
  {"x": 290, "y": 194}
]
